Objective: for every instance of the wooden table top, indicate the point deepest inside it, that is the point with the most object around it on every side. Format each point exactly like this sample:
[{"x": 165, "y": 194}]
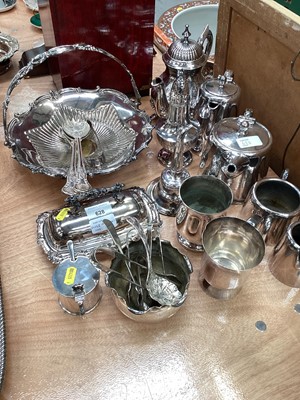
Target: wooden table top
[{"x": 210, "y": 349}]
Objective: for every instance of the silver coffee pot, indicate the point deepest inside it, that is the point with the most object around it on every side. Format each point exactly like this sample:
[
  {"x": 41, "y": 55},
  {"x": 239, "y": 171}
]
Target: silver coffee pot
[
  {"x": 240, "y": 153},
  {"x": 218, "y": 99},
  {"x": 187, "y": 55}
]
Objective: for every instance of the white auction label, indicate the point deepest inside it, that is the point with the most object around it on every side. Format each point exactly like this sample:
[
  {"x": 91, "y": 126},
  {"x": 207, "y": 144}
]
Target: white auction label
[
  {"x": 97, "y": 213},
  {"x": 250, "y": 141}
]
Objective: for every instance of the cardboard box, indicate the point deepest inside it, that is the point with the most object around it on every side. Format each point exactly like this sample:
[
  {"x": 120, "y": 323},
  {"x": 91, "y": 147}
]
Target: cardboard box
[{"x": 259, "y": 40}]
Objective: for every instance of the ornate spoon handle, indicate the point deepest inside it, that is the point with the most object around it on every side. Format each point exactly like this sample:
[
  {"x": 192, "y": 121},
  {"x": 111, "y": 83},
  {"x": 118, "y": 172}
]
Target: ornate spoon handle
[{"x": 77, "y": 177}]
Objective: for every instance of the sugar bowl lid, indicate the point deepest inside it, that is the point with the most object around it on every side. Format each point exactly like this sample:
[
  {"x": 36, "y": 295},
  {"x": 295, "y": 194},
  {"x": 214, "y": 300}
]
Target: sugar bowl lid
[
  {"x": 242, "y": 134},
  {"x": 69, "y": 274},
  {"x": 221, "y": 89},
  {"x": 186, "y": 53}
]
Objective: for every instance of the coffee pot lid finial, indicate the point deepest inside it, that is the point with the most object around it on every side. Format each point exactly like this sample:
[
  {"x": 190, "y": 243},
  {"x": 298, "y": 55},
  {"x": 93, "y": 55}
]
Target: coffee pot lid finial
[{"x": 185, "y": 53}]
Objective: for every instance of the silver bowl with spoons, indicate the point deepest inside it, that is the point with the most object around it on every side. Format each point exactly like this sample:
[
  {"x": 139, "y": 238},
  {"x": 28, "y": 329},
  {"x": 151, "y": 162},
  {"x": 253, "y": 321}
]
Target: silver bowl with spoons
[{"x": 149, "y": 278}]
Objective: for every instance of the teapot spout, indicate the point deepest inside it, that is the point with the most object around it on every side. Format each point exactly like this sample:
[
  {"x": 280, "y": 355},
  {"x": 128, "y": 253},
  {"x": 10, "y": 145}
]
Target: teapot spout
[{"x": 158, "y": 98}]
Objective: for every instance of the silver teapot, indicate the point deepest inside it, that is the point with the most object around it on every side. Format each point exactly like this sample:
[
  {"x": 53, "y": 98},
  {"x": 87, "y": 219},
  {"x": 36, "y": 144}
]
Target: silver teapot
[
  {"x": 189, "y": 56},
  {"x": 240, "y": 153}
]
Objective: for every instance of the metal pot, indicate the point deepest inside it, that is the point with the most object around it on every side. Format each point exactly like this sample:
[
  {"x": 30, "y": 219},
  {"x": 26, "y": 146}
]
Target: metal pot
[
  {"x": 240, "y": 154},
  {"x": 167, "y": 261}
]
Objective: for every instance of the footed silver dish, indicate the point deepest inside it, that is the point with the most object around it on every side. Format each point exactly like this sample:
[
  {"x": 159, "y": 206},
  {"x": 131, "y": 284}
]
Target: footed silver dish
[{"x": 34, "y": 136}]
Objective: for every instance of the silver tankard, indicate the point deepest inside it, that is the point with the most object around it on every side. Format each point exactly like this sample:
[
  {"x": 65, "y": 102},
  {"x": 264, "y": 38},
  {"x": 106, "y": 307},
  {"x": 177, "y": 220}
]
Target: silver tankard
[{"x": 203, "y": 199}]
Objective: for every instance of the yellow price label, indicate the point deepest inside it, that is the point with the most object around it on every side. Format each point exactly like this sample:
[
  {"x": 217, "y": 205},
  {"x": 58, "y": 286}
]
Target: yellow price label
[
  {"x": 70, "y": 275},
  {"x": 62, "y": 214}
]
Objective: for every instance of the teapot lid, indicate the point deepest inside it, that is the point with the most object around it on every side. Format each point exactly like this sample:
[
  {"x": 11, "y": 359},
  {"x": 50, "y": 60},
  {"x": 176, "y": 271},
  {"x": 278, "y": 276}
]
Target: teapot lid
[
  {"x": 185, "y": 53},
  {"x": 242, "y": 134},
  {"x": 220, "y": 89}
]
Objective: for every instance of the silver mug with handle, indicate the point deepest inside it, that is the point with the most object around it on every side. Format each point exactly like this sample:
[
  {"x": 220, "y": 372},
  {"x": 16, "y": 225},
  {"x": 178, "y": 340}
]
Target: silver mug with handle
[
  {"x": 203, "y": 198},
  {"x": 277, "y": 202}
]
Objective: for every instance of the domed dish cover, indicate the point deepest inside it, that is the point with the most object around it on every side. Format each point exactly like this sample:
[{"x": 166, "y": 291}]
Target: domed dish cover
[
  {"x": 83, "y": 101},
  {"x": 186, "y": 53}
]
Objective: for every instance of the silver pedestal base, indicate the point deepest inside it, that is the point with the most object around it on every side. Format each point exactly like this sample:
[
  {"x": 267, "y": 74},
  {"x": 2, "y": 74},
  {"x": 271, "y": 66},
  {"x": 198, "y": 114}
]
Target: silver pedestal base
[
  {"x": 166, "y": 204},
  {"x": 164, "y": 191},
  {"x": 189, "y": 245},
  {"x": 220, "y": 294}
]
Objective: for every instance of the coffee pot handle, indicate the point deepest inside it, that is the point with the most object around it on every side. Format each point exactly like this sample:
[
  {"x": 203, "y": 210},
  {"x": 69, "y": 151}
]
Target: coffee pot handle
[
  {"x": 285, "y": 174},
  {"x": 207, "y": 39}
]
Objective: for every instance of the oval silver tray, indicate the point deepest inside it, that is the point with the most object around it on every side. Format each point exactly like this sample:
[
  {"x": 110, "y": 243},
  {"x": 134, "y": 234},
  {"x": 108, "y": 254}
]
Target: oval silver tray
[
  {"x": 44, "y": 108},
  {"x": 80, "y": 219}
]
